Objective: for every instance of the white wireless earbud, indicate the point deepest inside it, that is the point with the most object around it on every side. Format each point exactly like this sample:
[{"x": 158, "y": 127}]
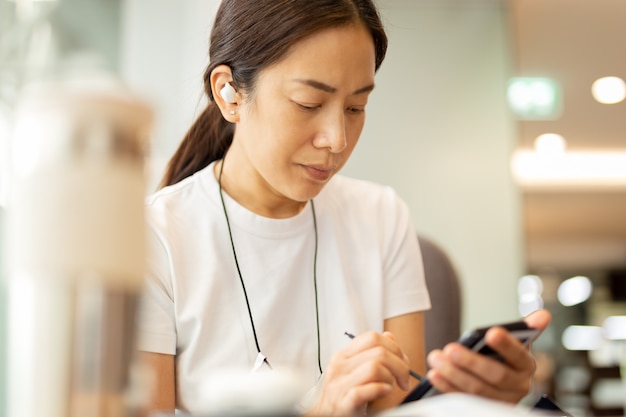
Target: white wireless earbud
[{"x": 228, "y": 93}]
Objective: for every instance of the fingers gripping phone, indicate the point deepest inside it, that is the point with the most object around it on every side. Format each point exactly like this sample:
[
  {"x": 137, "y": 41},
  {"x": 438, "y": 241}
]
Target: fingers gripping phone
[{"x": 475, "y": 340}]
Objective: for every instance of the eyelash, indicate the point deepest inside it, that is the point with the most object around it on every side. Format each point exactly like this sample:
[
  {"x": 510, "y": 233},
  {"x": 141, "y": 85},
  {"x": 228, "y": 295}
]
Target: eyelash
[
  {"x": 308, "y": 108},
  {"x": 354, "y": 110}
]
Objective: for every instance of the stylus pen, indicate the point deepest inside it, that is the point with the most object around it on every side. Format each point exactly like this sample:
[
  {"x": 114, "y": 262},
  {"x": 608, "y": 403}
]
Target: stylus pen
[{"x": 412, "y": 372}]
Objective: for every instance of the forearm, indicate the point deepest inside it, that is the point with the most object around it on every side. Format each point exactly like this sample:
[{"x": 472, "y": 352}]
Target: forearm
[{"x": 162, "y": 396}]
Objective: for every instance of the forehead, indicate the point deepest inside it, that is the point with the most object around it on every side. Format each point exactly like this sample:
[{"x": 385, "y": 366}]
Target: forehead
[{"x": 333, "y": 56}]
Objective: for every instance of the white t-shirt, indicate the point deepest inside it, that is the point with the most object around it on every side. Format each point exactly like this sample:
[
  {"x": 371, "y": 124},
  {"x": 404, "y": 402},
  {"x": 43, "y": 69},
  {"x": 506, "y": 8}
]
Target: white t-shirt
[{"x": 368, "y": 269}]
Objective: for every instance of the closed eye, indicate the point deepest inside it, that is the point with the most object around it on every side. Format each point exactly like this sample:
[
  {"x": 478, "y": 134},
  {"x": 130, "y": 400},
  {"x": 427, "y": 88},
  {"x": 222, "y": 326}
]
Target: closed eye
[
  {"x": 307, "y": 107},
  {"x": 356, "y": 109}
]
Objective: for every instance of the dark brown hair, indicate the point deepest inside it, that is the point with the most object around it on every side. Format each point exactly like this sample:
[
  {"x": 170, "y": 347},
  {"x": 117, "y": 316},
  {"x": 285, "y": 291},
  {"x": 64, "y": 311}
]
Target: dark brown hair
[{"x": 248, "y": 36}]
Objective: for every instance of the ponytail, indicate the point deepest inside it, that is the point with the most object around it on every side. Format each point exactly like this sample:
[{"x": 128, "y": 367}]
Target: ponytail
[{"x": 206, "y": 141}]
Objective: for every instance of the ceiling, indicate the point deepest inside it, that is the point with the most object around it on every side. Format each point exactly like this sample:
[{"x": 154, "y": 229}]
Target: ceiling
[{"x": 574, "y": 42}]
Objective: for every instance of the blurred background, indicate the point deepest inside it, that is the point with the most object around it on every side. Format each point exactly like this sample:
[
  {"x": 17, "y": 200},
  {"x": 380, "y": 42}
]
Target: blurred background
[{"x": 488, "y": 119}]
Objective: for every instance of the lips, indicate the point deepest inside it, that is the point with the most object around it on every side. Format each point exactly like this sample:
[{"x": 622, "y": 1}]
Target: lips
[{"x": 319, "y": 172}]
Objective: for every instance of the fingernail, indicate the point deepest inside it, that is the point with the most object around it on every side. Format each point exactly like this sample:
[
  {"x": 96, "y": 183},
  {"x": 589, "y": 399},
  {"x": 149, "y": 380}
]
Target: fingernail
[
  {"x": 454, "y": 355},
  {"x": 434, "y": 360}
]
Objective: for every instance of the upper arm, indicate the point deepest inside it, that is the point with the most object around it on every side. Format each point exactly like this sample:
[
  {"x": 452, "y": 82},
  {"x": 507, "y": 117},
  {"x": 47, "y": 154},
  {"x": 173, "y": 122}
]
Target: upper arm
[
  {"x": 162, "y": 370},
  {"x": 408, "y": 330}
]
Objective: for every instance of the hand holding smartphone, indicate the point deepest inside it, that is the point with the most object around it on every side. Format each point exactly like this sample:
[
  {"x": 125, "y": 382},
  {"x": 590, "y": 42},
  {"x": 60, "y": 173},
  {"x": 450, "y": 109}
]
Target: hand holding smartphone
[{"x": 475, "y": 340}]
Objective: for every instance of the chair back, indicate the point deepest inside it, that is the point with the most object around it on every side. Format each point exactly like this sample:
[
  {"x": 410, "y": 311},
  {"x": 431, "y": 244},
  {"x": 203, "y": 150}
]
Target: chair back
[{"x": 443, "y": 320}]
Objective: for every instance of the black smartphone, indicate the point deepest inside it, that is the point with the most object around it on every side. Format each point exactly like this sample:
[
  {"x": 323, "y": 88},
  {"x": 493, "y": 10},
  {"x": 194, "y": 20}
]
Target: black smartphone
[{"x": 475, "y": 340}]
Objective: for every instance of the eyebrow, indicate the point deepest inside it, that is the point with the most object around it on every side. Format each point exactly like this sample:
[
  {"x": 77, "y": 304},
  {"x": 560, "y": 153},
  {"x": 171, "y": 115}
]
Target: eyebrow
[{"x": 327, "y": 88}]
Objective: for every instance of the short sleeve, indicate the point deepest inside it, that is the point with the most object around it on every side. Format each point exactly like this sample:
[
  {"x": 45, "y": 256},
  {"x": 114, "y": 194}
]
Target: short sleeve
[
  {"x": 405, "y": 285},
  {"x": 156, "y": 318}
]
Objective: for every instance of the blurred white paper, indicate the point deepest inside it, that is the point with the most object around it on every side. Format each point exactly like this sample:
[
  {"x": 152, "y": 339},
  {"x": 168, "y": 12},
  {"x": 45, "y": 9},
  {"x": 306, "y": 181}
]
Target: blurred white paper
[{"x": 456, "y": 404}]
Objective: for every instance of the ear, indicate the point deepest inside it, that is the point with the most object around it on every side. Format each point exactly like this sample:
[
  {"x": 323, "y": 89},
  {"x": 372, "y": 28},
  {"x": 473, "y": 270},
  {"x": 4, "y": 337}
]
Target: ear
[{"x": 220, "y": 76}]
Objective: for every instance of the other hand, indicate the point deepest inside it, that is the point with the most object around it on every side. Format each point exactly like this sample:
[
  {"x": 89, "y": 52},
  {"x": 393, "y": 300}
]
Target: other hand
[{"x": 458, "y": 369}]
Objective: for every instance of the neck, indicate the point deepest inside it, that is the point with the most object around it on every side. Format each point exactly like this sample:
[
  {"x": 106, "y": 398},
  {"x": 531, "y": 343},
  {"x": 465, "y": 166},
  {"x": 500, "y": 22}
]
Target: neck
[{"x": 253, "y": 193}]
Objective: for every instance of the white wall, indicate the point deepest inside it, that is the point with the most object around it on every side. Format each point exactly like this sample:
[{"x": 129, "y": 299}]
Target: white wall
[
  {"x": 163, "y": 56},
  {"x": 437, "y": 128}
]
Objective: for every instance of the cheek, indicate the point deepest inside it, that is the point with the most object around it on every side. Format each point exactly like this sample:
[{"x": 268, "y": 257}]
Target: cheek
[
  {"x": 282, "y": 126},
  {"x": 354, "y": 129},
  {"x": 265, "y": 132},
  {"x": 291, "y": 137}
]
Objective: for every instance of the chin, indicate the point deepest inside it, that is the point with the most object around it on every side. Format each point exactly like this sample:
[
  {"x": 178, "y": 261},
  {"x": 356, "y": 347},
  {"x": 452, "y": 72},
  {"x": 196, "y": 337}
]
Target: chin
[{"x": 306, "y": 194}]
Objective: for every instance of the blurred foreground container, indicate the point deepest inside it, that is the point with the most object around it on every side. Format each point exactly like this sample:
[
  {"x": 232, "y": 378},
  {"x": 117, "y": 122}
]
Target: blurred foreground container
[
  {"x": 3, "y": 313},
  {"x": 75, "y": 248}
]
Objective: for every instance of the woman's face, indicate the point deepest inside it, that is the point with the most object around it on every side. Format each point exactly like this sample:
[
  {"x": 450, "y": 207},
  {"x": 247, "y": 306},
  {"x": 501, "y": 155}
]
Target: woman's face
[{"x": 306, "y": 115}]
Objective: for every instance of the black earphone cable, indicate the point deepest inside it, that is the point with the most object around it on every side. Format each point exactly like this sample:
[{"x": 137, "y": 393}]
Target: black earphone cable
[
  {"x": 243, "y": 285},
  {"x": 317, "y": 310}
]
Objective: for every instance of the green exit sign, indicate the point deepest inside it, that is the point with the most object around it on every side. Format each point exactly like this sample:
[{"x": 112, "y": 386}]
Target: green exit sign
[{"x": 534, "y": 98}]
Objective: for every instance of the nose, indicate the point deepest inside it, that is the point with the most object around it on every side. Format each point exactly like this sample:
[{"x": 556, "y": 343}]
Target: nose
[{"x": 333, "y": 134}]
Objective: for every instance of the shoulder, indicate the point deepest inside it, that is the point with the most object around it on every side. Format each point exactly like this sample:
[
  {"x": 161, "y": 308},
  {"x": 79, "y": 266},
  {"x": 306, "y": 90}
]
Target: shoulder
[
  {"x": 181, "y": 194},
  {"x": 181, "y": 205},
  {"x": 172, "y": 194}
]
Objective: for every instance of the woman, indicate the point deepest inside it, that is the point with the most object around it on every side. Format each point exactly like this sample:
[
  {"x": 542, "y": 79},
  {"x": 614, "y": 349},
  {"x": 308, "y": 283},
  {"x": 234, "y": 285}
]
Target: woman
[{"x": 263, "y": 257}]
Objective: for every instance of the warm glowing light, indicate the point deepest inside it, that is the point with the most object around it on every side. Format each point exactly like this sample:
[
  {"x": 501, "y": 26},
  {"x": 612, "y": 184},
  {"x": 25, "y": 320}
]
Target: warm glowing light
[
  {"x": 609, "y": 90},
  {"x": 582, "y": 337},
  {"x": 615, "y": 328},
  {"x": 570, "y": 168},
  {"x": 550, "y": 144},
  {"x": 574, "y": 291}
]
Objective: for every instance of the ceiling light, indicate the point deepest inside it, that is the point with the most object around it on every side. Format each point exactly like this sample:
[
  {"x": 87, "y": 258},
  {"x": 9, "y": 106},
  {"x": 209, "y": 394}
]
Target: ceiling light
[
  {"x": 609, "y": 90},
  {"x": 529, "y": 284},
  {"x": 531, "y": 169},
  {"x": 582, "y": 337},
  {"x": 529, "y": 289},
  {"x": 550, "y": 144},
  {"x": 574, "y": 291},
  {"x": 615, "y": 328},
  {"x": 529, "y": 305}
]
